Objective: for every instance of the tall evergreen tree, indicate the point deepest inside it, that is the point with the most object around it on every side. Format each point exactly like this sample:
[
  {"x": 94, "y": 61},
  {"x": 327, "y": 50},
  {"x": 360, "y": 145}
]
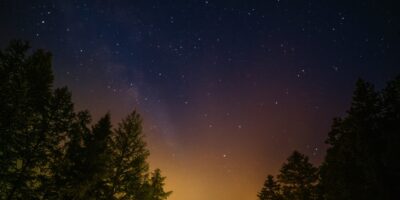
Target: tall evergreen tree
[
  {"x": 362, "y": 160},
  {"x": 49, "y": 151},
  {"x": 70, "y": 168},
  {"x": 390, "y": 127},
  {"x": 271, "y": 190},
  {"x": 62, "y": 118},
  {"x": 25, "y": 93},
  {"x": 298, "y": 178},
  {"x": 128, "y": 159},
  {"x": 352, "y": 169},
  {"x": 91, "y": 168},
  {"x": 153, "y": 189},
  {"x": 97, "y": 158}
]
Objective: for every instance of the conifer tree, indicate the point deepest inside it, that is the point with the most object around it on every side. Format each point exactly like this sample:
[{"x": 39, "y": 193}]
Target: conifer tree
[
  {"x": 95, "y": 161},
  {"x": 25, "y": 93},
  {"x": 391, "y": 139},
  {"x": 298, "y": 178},
  {"x": 157, "y": 186},
  {"x": 128, "y": 160},
  {"x": 49, "y": 151},
  {"x": 271, "y": 190},
  {"x": 352, "y": 167}
]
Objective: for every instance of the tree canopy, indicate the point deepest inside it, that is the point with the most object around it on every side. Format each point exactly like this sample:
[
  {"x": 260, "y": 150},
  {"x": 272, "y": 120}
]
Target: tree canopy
[
  {"x": 362, "y": 161},
  {"x": 50, "y": 151},
  {"x": 296, "y": 181}
]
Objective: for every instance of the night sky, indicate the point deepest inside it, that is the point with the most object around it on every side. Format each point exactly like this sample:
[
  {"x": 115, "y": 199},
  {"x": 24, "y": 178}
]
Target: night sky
[{"x": 227, "y": 89}]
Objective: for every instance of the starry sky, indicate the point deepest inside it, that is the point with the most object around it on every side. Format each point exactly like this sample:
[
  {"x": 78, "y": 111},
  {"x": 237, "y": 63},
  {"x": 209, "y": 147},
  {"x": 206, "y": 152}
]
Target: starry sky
[{"x": 227, "y": 89}]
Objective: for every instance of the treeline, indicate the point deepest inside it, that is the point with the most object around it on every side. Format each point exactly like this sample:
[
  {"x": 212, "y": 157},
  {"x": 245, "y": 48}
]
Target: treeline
[
  {"x": 50, "y": 151},
  {"x": 363, "y": 158}
]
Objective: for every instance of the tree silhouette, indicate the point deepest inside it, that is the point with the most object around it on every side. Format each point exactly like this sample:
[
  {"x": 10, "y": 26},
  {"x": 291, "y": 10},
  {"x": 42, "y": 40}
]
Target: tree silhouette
[
  {"x": 70, "y": 168},
  {"x": 352, "y": 167},
  {"x": 362, "y": 160},
  {"x": 65, "y": 154},
  {"x": 391, "y": 139},
  {"x": 26, "y": 138},
  {"x": 96, "y": 157},
  {"x": 271, "y": 190},
  {"x": 128, "y": 164},
  {"x": 153, "y": 189},
  {"x": 298, "y": 178},
  {"x": 49, "y": 151}
]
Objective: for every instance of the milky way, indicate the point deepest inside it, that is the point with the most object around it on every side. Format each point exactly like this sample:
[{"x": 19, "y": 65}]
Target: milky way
[{"x": 227, "y": 89}]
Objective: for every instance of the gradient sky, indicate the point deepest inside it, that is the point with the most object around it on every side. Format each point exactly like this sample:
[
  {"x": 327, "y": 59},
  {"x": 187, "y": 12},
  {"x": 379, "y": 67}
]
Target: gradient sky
[{"x": 227, "y": 89}]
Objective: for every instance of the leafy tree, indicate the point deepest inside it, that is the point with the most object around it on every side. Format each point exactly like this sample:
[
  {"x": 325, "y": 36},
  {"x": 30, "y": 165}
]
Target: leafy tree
[
  {"x": 298, "y": 178},
  {"x": 271, "y": 190}
]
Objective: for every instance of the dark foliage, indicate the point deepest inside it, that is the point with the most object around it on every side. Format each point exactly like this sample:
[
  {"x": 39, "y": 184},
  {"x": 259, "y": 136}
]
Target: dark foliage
[
  {"x": 362, "y": 161},
  {"x": 271, "y": 190},
  {"x": 296, "y": 181},
  {"x": 49, "y": 151}
]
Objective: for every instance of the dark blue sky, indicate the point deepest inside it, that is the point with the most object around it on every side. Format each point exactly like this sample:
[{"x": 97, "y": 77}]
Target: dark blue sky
[{"x": 227, "y": 88}]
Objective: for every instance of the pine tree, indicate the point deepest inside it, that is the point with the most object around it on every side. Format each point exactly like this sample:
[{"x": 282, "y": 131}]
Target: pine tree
[
  {"x": 298, "y": 178},
  {"x": 95, "y": 158},
  {"x": 153, "y": 189},
  {"x": 98, "y": 158},
  {"x": 62, "y": 118},
  {"x": 391, "y": 139},
  {"x": 270, "y": 190},
  {"x": 25, "y": 93},
  {"x": 128, "y": 160},
  {"x": 352, "y": 167},
  {"x": 49, "y": 151}
]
